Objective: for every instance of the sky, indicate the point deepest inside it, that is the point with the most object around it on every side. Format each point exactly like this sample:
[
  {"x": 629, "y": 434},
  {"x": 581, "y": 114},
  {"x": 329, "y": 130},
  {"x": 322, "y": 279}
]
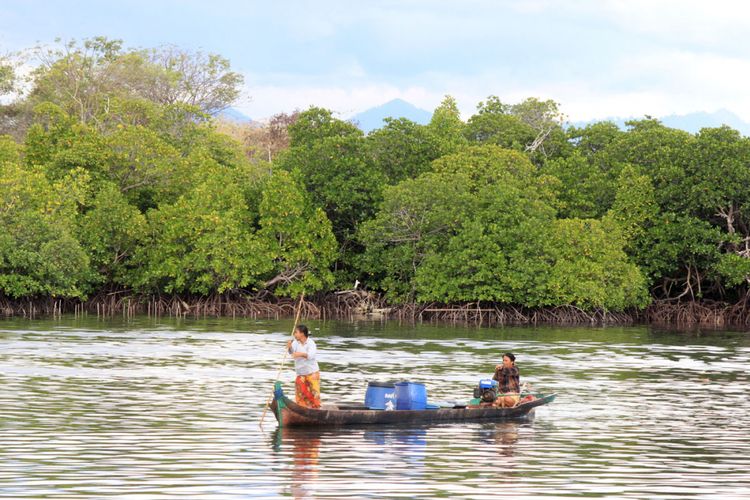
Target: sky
[{"x": 597, "y": 58}]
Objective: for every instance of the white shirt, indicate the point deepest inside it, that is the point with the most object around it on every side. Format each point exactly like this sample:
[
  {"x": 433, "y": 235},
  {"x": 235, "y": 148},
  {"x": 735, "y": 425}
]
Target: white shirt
[{"x": 308, "y": 365}]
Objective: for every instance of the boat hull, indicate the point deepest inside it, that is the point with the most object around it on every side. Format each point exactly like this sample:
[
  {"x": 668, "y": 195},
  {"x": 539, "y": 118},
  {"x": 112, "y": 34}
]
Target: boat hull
[{"x": 290, "y": 414}]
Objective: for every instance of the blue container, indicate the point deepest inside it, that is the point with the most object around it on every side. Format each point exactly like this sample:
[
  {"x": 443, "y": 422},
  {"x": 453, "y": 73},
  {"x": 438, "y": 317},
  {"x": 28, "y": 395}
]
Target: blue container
[
  {"x": 487, "y": 383},
  {"x": 410, "y": 396},
  {"x": 380, "y": 396}
]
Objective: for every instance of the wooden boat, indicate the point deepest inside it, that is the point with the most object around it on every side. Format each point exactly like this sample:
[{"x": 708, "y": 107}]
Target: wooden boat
[{"x": 289, "y": 413}]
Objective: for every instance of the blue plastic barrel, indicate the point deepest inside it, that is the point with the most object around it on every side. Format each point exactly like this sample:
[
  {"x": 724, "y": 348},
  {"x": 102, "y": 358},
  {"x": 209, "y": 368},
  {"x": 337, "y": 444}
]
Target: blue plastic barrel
[
  {"x": 380, "y": 396},
  {"x": 410, "y": 396}
]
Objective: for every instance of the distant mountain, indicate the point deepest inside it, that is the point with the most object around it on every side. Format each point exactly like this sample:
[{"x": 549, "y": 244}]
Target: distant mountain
[
  {"x": 234, "y": 115},
  {"x": 691, "y": 122},
  {"x": 372, "y": 118}
]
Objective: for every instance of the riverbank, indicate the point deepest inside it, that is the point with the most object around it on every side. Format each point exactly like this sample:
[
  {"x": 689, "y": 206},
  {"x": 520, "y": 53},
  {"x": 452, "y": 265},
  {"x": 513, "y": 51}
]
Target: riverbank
[{"x": 360, "y": 304}]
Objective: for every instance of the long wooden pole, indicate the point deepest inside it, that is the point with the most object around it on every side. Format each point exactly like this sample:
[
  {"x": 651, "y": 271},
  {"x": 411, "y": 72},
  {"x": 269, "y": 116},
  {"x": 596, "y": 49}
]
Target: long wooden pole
[{"x": 283, "y": 359}]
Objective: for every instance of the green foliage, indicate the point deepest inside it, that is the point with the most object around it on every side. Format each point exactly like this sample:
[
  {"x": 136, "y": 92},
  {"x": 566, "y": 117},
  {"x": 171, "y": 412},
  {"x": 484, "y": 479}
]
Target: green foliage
[
  {"x": 501, "y": 129},
  {"x": 317, "y": 124},
  {"x": 39, "y": 255},
  {"x": 7, "y": 76},
  {"x": 139, "y": 163},
  {"x": 341, "y": 178},
  {"x": 54, "y": 130},
  {"x": 447, "y": 128},
  {"x": 10, "y": 151},
  {"x": 531, "y": 126},
  {"x": 482, "y": 227},
  {"x": 591, "y": 269},
  {"x": 700, "y": 191},
  {"x": 150, "y": 153},
  {"x": 538, "y": 114},
  {"x": 675, "y": 243},
  {"x": 473, "y": 265},
  {"x": 585, "y": 190},
  {"x": 402, "y": 149},
  {"x": 331, "y": 160},
  {"x": 733, "y": 269},
  {"x": 207, "y": 241},
  {"x": 485, "y": 165},
  {"x": 111, "y": 232},
  {"x": 495, "y": 257},
  {"x": 635, "y": 205},
  {"x": 417, "y": 215},
  {"x": 595, "y": 138},
  {"x": 718, "y": 176},
  {"x": 589, "y": 174},
  {"x": 662, "y": 153},
  {"x": 116, "y": 177},
  {"x": 83, "y": 78},
  {"x": 202, "y": 243},
  {"x": 298, "y": 238}
]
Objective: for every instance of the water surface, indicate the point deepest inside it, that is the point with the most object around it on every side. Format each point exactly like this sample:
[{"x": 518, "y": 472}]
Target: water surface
[{"x": 169, "y": 409}]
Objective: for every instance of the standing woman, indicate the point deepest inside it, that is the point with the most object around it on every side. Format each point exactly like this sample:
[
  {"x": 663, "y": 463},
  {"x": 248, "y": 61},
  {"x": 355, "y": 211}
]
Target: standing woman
[
  {"x": 307, "y": 384},
  {"x": 509, "y": 381}
]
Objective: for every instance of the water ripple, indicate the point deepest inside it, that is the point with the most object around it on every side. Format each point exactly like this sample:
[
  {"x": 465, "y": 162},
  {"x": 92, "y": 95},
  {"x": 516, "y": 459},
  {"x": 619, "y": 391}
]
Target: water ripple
[{"x": 150, "y": 409}]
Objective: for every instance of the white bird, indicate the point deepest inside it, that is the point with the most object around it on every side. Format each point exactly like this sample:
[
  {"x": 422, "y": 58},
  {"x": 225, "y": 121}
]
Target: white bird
[{"x": 356, "y": 284}]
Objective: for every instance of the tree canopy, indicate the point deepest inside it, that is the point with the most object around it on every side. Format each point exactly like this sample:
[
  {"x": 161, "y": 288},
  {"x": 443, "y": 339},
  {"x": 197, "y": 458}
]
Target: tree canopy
[{"x": 115, "y": 176}]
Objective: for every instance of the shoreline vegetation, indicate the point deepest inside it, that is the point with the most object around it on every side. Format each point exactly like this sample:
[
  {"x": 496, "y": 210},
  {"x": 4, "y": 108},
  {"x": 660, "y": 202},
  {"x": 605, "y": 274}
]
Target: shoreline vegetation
[
  {"x": 362, "y": 305},
  {"x": 123, "y": 192}
]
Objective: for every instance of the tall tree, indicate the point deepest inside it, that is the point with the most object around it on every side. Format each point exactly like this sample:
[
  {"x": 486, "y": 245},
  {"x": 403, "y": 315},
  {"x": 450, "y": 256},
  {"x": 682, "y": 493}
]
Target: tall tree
[
  {"x": 419, "y": 217},
  {"x": 447, "y": 127},
  {"x": 204, "y": 81},
  {"x": 532, "y": 126},
  {"x": 402, "y": 149},
  {"x": 266, "y": 140},
  {"x": 7, "y": 76},
  {"x": 202, "y": 243},
  {"x": 331, "y": 160},
  {"x": 545, "y": 118},
  {"x": 39, "y": 253},
  {"x": 298, "y": 237},
  {"x": 493, "y": 124},
  {"x": 84, "y": 78},
  {"x": 111, "y": 231}
]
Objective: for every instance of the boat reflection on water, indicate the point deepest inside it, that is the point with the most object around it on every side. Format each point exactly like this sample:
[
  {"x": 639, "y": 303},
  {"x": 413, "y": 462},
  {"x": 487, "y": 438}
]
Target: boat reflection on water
[
  {"x": 304, "y": 447},
  {"x": 312, "y": 458},
  {"x": 502, "y": 435},
  {"x": 408, "y": 444},
  {"x": 403, "y": 448},
  {"x": 398, "y": 436}
]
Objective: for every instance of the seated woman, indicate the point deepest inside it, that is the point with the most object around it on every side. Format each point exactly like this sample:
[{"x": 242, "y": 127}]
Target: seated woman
[{"x": 508, "y": 380}]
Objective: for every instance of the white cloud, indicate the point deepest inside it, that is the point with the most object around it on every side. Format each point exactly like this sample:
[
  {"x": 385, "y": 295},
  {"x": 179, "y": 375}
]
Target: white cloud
[
  {"x": 718, "y": 23},
  {"x": 667, "y": 57},
  {"x": 597, "y": 58},
  {"x": 657, "y": 83}
]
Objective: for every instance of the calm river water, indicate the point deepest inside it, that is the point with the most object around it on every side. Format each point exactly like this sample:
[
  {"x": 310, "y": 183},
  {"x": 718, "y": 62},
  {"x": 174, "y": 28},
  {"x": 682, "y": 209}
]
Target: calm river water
[{"x": 171, "y": 409}]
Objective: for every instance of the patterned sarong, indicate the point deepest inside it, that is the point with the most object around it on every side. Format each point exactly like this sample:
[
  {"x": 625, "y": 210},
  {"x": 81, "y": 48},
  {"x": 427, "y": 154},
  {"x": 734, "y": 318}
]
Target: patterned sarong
[{"x": 307, "y": 391}]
